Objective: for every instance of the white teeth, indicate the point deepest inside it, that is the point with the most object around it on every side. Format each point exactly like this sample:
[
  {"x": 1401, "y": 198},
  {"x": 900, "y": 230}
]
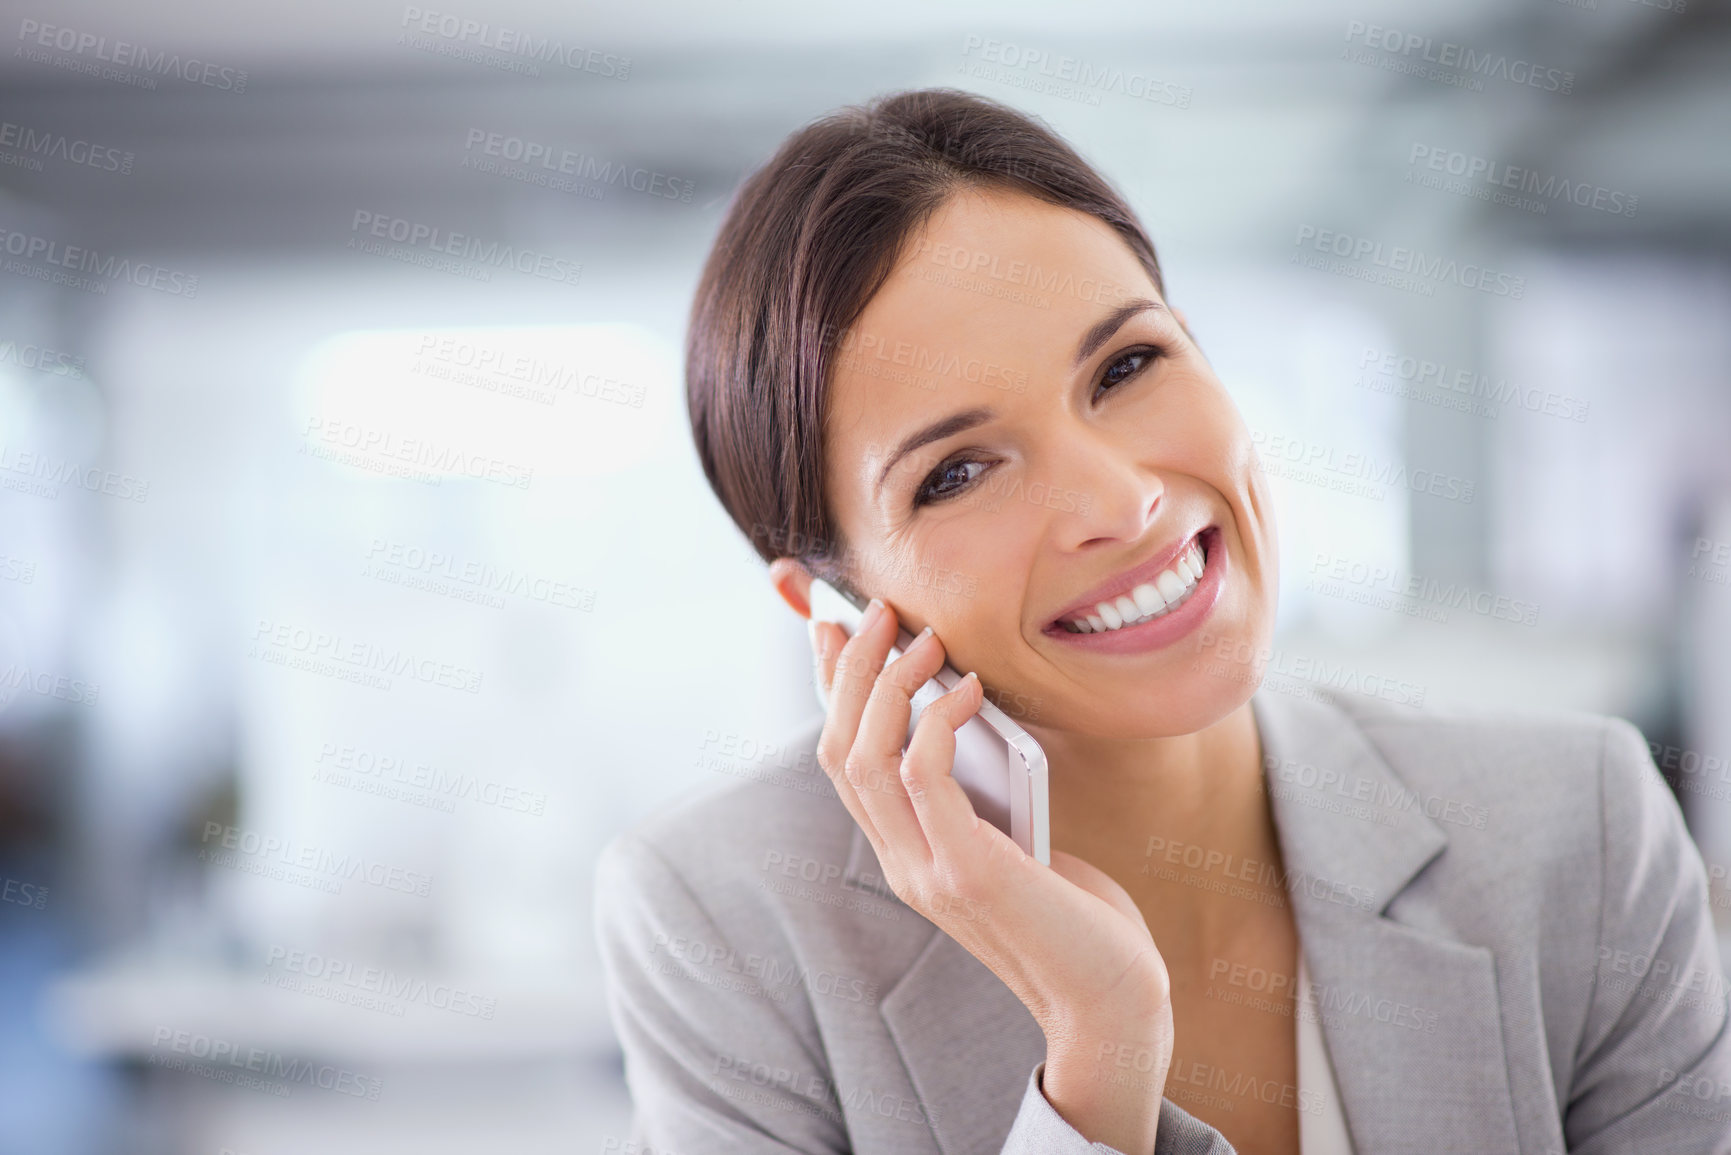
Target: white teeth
[
  {"x": 1167, "y": 591},
  {"x": 1148, "y": 599}
]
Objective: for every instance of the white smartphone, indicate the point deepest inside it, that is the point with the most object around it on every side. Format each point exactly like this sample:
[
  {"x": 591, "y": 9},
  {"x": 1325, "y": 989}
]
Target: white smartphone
[{"x": 998, "y": 764}]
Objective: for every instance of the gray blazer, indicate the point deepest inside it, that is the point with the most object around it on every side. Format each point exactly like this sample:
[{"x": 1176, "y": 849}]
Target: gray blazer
[{"x": 1504, "y": 914}]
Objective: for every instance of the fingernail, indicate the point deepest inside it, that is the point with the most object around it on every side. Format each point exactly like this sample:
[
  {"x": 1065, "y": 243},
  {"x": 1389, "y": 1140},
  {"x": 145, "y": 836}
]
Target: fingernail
[
  {"x": 874, "y": 610},
  {"x": 924, "y": 634},
  {"x": 811, "y": 632}
]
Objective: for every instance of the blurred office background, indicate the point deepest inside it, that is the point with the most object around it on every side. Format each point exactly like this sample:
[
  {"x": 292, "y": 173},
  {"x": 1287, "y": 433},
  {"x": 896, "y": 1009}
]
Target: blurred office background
[{"x": 353, "y": 594}]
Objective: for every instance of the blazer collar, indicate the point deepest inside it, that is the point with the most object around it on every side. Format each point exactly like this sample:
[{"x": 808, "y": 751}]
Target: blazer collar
[{"x": 1410, "y": 1014}]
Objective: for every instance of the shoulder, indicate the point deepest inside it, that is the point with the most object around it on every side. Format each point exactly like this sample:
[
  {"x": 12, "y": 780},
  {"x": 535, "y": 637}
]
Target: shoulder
[
  {"x": 1552, "y": 802},
  {"x": 1517, "y": 764},
  {"x": 776, "y": 802},
  {"x": 769, "y": 863}
]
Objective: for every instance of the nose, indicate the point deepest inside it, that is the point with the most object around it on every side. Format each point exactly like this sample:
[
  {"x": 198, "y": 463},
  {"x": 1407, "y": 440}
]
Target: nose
[{"x": 1113, "y": 494}]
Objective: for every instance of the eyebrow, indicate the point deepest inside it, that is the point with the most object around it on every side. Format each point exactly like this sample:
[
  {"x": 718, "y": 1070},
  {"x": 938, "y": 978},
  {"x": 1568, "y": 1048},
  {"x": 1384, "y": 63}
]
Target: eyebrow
[
  {"x": 1101, "y": 333},
  {"x": 969, "y": 418},
  {"x": 938, "y": 430}
]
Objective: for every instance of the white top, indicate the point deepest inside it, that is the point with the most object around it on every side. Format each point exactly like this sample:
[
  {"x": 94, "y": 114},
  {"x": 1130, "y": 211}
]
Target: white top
[{"x": 1322, "y": 1126}]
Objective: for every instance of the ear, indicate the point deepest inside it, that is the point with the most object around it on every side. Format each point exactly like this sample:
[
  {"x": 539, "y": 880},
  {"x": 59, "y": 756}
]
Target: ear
[{"x": 793, "y": 582}]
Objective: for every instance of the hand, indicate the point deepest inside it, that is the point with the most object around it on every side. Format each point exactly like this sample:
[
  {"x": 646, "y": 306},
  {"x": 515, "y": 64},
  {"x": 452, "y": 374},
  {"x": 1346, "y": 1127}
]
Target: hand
[{"x": 1066, "y": 939}]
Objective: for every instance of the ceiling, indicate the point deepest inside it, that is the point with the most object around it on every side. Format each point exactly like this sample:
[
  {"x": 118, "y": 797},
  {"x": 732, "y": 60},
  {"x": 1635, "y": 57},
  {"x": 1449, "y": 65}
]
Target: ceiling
[{"x": 339, "y": 114}]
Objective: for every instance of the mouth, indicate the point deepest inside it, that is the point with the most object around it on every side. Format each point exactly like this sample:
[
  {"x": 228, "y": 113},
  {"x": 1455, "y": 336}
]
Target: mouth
[{"x": 1151, "y": 591}]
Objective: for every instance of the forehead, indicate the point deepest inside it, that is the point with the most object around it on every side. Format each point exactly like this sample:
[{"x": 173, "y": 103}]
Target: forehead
[{"x": 995, "y": 258}]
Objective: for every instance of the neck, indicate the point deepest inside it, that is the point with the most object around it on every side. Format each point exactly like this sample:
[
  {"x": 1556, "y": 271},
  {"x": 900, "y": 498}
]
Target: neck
[{"x": 1167, "y": 817}]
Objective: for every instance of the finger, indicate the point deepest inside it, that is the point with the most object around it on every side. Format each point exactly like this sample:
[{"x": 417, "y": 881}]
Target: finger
[
  {"x": 943, "y": 808},
  {"x": 877, "y": 750},
  {"x": 856, "y": 667},
  {"x": 850, "y": 675}
]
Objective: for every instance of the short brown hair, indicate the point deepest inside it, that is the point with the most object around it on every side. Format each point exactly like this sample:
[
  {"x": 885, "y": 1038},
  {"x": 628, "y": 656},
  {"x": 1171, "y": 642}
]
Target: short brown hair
[{"x": 807, "y": 241}]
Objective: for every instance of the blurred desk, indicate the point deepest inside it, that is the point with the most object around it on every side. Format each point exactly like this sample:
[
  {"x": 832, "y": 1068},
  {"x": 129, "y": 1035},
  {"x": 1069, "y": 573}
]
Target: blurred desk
[{"x": 542, "y": 1076}]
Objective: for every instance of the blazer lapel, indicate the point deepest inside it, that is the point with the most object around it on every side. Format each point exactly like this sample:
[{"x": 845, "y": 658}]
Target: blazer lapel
[
  {"x": 966, "y": 1041},
  {"x": 1411, "y": 1017}
]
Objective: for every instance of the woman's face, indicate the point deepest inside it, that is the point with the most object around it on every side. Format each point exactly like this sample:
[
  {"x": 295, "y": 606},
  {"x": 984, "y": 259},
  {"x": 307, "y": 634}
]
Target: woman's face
[{"x": 1020, "y": 430}]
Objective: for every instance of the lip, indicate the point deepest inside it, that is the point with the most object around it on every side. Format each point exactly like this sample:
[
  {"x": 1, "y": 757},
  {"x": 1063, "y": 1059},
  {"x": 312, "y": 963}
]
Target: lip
[
  {"x": 1168, "y": 627},
  {"x": 1128, "y": 580}
]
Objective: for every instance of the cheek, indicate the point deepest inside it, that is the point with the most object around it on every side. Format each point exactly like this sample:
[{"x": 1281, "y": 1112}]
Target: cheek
[
  {"x": 947, "y": 584},
  {"x": 962, "y": 583}
]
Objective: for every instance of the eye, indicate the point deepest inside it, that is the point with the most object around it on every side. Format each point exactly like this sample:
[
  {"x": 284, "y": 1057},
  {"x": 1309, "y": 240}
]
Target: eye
[
  {"x": 947, "y": 480},
  {"x": 1125, "y": 366}
]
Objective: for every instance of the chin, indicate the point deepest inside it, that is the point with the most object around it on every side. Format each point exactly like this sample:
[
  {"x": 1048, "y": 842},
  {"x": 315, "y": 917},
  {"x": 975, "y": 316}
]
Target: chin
[
  {"x": 1171, "y": 710},
  {"x": 1166, "y": 708}
]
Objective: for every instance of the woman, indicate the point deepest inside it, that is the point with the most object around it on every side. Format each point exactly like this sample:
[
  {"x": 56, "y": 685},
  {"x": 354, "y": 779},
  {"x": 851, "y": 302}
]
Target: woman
[{"x": 931, "y": 360}]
